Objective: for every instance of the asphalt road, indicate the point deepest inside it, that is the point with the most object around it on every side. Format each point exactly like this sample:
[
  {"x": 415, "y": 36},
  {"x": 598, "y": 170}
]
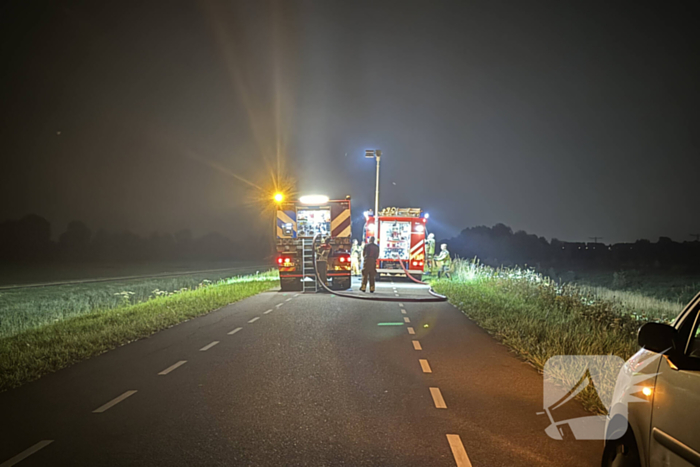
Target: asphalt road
[{"x": 287, "y": 379}]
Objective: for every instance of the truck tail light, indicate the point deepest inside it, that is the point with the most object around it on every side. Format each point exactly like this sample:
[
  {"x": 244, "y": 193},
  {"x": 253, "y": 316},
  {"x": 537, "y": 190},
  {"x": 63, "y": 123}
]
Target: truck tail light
[{"x": 279, "y": 260}]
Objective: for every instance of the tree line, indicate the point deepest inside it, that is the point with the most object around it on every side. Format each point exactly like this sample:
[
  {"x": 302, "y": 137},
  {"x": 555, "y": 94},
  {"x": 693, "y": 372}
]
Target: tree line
[
  {"x": 29, "y": 240},
  {"x": 499, "y": 245}
]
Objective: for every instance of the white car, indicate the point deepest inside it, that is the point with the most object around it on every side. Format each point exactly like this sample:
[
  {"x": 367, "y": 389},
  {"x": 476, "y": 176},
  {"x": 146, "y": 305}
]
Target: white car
[{"x": 655, "y": 416}]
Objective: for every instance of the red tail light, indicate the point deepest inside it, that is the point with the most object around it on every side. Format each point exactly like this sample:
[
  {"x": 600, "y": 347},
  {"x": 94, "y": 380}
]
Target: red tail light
[
  {"x": 342, "y": 259},
  {"x": 279, "y": 260}
]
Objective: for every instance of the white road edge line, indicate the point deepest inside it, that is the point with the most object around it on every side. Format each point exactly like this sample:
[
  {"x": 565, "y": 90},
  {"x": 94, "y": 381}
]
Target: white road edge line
[
  {"x": 173, "y": 367},
  {"x": 268, "y": 311},
  {"x": 458, "y": 451},
  {"x": 254, "y": 319},
  {"x": 26, "y": 453},
  {"x": 208, "y": 346},
  {"x": 234, "y": 331},
  {"x": 425, "y": 366},
  {"x": 114, "y": 401},
  {"x": 416, "y": 345},
  {"x": 406, "y": 319},
  {"x": 437, "y": 398},
  {"x": 410, "y": 330}
]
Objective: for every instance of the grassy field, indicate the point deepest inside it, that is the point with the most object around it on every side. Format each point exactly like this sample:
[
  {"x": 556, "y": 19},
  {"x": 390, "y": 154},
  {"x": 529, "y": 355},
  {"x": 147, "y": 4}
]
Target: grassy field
[
  {"x": 680, "y": 288},
  {"x": 539, "y": 318},
  {"x": 30, "y": 308},
  {"x": 17, "y": 274},
  {"x": 66, "y": 326}
]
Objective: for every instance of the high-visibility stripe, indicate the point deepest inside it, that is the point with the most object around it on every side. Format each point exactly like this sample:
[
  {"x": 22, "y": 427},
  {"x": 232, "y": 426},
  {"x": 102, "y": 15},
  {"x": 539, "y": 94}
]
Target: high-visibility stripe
[
  {"x": 286, "y": 217},
  {"x": 416, "y": 246},
  {"x": 344, "y": 230},
  {"x": 339, "y": 220}
]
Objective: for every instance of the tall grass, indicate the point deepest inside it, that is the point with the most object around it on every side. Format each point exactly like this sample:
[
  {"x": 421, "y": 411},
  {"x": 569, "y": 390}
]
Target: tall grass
[
  {"x": 540, "y": 318},
  {"x": 27, "y": 355}
]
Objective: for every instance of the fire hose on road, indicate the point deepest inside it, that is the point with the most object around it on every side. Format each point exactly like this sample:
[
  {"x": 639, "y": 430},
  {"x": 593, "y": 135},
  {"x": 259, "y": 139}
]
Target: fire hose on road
[{"x": 436, "y": 297}]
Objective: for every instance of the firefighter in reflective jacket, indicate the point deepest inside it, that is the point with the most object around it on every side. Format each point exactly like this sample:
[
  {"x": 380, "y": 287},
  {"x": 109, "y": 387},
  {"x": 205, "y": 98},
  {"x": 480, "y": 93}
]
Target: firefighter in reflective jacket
[
  {"x": 355, "y": 258},
  {"x": 444, "y": 262},
  {"x": 369, "y": 270},
  {"x": 429, "y": 253},
  {"x": 323, "y": 251}
]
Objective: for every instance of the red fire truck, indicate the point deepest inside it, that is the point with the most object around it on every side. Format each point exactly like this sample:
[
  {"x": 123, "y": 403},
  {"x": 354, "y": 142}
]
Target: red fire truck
[
  {"x": 401, "y": 238},
  {"x": 296, "y": 224}
]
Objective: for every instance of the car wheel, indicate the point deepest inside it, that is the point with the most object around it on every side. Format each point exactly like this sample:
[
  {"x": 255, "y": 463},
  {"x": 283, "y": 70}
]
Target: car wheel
[{"x": 621, "y": 452}]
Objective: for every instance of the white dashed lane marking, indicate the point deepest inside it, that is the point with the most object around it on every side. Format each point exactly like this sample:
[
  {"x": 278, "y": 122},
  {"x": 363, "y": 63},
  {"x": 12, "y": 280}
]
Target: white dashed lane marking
[
  {"x": 279, "y": 305},
  {"x": 411, "y": 331},
  {"x": 26, "y": 453},
  {"x": 458, "y": 451},
  {"x": 406, "y": 319},
  {"x": 208, "y": 346},
  {"x": 401, "y": 304},
  {"x": 403, "y": 312},
  {"x": 288, "y": 299},
  {"x": 234, "y": 331},
  {"x": 425, "y": 366},
  {"x": 416, "y": 345},
  {"x": 268, "y": 311},
  {"x": 173, "y": 367},
  {"x": 437, "y": 398},
  {"x": 254, "y": 319},
  {"x": 114, "y": 402}
]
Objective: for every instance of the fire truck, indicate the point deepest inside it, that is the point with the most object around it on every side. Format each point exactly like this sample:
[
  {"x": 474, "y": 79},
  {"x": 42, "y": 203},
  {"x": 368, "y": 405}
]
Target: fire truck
[
  {"x": 400, "y": 234},
  {"x": 297, "y": 223}
]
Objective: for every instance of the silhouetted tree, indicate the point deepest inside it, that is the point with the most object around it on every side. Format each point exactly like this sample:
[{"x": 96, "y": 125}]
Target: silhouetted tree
[{"x": 74, "y": 242}]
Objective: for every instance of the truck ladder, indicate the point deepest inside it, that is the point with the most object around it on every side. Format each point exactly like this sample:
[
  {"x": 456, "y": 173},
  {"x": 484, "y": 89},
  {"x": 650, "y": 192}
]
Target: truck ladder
[{"x": 308, "y": 281}]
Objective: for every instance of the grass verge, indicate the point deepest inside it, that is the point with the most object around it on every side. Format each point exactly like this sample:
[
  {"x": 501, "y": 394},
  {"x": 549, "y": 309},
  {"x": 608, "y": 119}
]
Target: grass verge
[
  {"x": 30, "y": 354},
  {"x": 539, "y": 318}
]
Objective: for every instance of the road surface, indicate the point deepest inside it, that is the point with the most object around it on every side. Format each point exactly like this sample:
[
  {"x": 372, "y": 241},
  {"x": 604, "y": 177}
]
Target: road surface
[{"x": 286, "y": 379}]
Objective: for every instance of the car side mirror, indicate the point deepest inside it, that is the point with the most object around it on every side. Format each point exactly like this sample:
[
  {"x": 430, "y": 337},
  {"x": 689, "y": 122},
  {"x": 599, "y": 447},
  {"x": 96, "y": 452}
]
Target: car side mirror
[{"x": 658, "y": 337}]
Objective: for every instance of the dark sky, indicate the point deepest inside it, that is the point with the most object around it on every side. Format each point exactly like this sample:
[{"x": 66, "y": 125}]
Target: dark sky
[{"x": 565, "y": 119}]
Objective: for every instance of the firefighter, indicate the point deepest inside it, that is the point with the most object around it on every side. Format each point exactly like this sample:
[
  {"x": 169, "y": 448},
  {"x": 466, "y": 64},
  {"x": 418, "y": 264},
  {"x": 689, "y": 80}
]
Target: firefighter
[
  {"x": 355, "y": 258},
  {"x": 323, "y": 251},
  {"x": 430, "y": 253},
  {"x": 369, "y": 270},
  {"x": 444, "y": 262}
]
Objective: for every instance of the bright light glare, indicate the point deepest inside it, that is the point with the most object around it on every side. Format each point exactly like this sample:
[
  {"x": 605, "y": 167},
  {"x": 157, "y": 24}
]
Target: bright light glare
[
  {"x": 279, "y": 197},
  {"x": 314, "y": 199},
  {"x": 426, "y": 215},
  {"x": 647, "y": 391}
]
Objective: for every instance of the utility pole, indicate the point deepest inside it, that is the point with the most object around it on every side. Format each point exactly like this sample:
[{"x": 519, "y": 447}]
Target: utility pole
[
  {"x": 697, "y": 237},
  {"x": 595, "y": 239},
  {"x": 377, "y": 154}
]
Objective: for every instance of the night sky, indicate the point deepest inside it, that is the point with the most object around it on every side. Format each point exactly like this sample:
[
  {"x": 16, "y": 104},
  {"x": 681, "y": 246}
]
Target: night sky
[{"x": 565, "y": 119}]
